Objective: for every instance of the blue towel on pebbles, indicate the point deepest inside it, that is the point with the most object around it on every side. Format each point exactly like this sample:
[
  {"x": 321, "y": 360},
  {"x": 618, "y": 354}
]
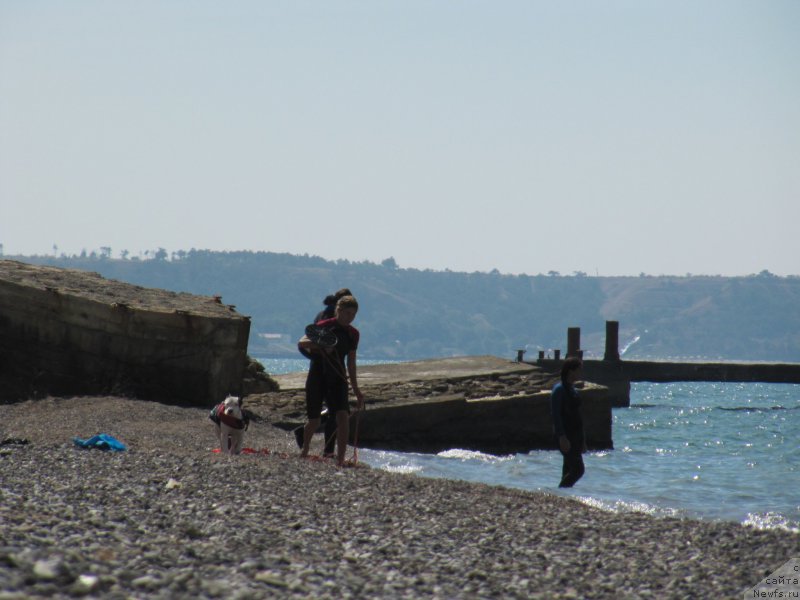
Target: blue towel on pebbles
[{"x": 102, "y": 441}]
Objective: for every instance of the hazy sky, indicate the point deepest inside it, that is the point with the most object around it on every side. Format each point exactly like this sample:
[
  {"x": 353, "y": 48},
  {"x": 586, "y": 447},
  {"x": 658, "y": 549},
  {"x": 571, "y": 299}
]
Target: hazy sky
[{"x": 613, "y": 137}]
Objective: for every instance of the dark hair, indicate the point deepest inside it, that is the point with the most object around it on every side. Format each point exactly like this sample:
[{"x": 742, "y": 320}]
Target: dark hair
[
  {"x": 571, "y": 364},
  {"x": 332, "y": 299}
]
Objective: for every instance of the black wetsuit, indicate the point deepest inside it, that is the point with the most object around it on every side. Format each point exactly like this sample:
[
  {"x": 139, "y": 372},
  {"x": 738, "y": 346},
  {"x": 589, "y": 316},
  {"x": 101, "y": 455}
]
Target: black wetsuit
[
  {"x": 315, "y": 391},
  {"x": 334, "y": 365},
  {"x": 565, "y": 405},
  {"x": 327, "y": 379}
]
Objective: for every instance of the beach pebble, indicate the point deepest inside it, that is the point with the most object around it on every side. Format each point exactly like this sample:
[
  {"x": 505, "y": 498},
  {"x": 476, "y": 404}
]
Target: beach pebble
[
  {"x": 46, "y": 569},
  {"x": 183, "y": 522}
]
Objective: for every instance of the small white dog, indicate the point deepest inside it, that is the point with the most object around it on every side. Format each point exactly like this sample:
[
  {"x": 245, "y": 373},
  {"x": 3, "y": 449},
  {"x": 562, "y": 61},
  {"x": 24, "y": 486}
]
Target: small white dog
[{"x": 231, "y": 422}]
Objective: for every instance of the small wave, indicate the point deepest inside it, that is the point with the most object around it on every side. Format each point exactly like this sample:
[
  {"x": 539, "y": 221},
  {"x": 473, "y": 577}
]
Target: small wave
[
  {"x": 755, "y": 408},
  {"x": 666, "y": 451},
  {"x": 627, "y": 346},
  {"x": 624, "y": 506},
  {"x": 405, "y": 469},
  {"x": 393, "y": 462},
  {"x": 726, "y": 408},
  {"x": 771, "y": 520},
  {"x": 464, "y": 455}
]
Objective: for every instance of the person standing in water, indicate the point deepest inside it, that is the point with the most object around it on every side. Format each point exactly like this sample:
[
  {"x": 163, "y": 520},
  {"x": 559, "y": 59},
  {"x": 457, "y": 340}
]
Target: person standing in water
[
  {"x": 339, "y": 373},
  {"x": 565, "y": 405}
]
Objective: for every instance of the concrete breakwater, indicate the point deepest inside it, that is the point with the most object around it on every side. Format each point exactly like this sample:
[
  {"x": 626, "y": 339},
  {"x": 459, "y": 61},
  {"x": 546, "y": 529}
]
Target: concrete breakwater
[
  {"x": 482, "y": 403},
  {"x": 663, "y": 371},
  {"x": 494, "y": 425},
  {"x": 69, "y": 332},
  {"x": 617, "y": 374}
]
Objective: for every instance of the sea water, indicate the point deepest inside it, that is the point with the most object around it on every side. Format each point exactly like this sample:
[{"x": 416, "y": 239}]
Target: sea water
[
  {"x": 282, "y": 366},
  {"x": 728, "y": 451}
]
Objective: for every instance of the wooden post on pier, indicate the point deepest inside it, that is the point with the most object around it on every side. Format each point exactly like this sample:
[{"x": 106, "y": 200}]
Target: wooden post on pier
[
  {"x": 573, "y": 342},
  {"x": 612, "y": 341}
]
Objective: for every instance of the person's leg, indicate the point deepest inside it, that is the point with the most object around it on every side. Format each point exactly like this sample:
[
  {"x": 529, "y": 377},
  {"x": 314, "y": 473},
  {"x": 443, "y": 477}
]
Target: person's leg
[
  {"x": 299, "y": 434},
  {"x": 314, "y": 393},
  {"x": 330, "y": 435},
  {"x": 342, "y": 435},
  {"x": 573, "y": 468},
  {"x": 308, "y": 433},
  {"x": 564, "y": 470},
  {"x": 564, "y": 466},
  {"x": 579, "y": 468}
]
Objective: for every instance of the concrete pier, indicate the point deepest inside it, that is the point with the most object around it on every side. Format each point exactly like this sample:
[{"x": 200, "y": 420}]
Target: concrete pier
[
  {"x": 482, "y": 403},
  {"x": 495, "y": 425},
  {"x": 617, "y": 374},
  {"x": 65, "y": 332}
]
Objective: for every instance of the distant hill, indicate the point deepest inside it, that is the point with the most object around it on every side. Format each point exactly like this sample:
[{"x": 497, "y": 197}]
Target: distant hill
[{"x": 412, "y": 314}]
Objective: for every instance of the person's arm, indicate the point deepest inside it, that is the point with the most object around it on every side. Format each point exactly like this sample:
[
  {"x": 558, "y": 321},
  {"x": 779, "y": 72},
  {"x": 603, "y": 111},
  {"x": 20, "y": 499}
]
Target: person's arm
[
  {"x": 352, "y": 371},
  {"x": 303, "y": 346},
  {"x": 307, "y": 345},
  {"x": 556, "y": 399}
]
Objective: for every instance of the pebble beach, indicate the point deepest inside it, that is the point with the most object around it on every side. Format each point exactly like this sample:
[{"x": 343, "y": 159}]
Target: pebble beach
[{"x": 169, "y": 518}]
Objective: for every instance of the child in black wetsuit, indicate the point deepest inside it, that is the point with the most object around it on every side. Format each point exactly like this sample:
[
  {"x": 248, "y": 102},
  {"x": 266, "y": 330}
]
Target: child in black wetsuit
[{"x": 565, "y": 404}]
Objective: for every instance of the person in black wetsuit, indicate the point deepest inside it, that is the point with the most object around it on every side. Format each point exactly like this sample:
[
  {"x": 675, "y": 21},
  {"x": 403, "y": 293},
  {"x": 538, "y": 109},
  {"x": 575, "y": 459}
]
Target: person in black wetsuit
[
  {"x": 328, "y": 420},
  {"x": 565, "y": 404},
  {"x": 337, "y": 374}
]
